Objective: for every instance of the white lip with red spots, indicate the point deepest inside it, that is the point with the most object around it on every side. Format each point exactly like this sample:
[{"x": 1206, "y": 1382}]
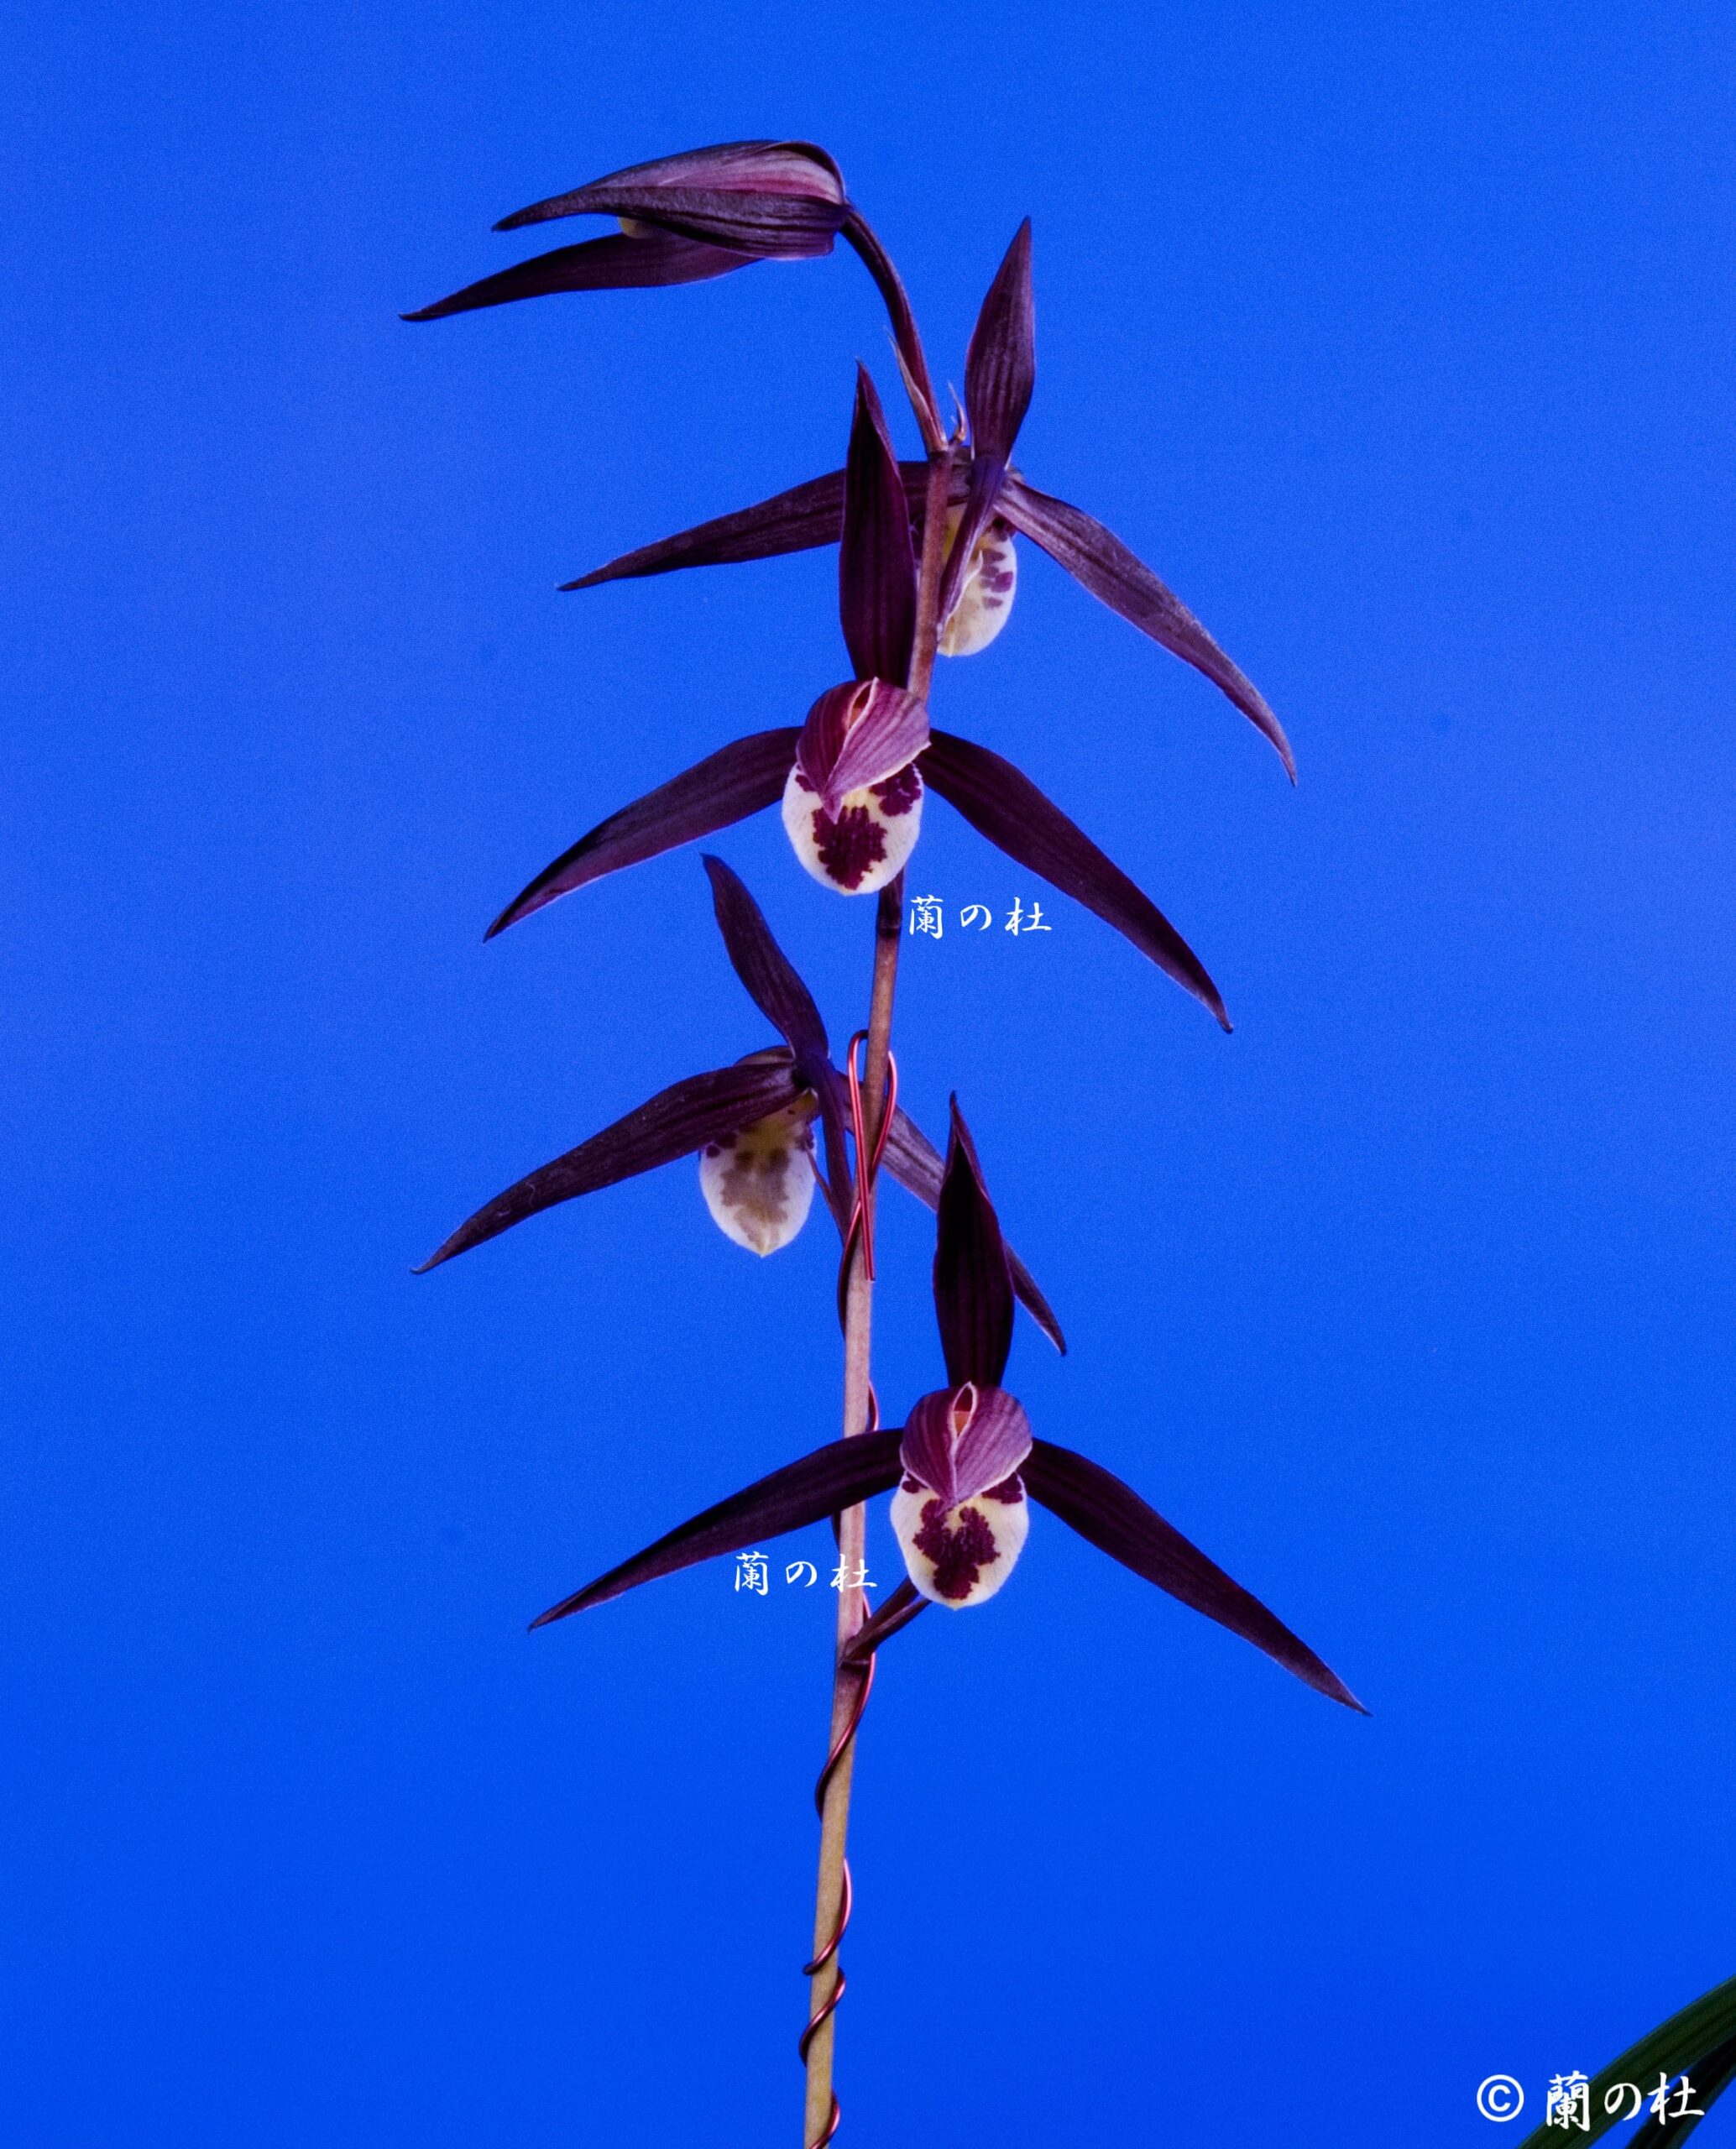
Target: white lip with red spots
[
  {"x": 759, "y": 1183},
  {"x": 853, "y": 805},
  {"x": 960, "y": 1513}
]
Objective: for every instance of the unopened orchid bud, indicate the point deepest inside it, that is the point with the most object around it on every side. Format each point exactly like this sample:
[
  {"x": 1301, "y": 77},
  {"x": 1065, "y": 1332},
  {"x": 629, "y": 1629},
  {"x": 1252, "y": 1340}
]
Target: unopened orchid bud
[
  {"x": 759, "y": 1183},
  {"x": 986, "y": 589},
  {"x": 853, "y": 802},
  {"x": 960, "y": 1513}
]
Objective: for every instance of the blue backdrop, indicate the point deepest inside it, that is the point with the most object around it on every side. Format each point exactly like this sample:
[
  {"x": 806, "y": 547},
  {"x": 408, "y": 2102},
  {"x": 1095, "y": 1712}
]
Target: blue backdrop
[{"x": 1398, "y": 341}]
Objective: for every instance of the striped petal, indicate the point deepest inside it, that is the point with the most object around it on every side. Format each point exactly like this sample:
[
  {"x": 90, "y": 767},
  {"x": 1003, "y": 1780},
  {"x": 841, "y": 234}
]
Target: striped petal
[{"x": 767, "y": 198}]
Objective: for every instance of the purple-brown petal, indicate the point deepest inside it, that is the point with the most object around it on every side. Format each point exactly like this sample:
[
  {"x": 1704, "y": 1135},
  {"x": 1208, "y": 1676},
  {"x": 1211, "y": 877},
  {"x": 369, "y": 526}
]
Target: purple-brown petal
[
  {"x": 859, "y": 734},
  {"x": 973, "y": 1286},
  {"x": 876, "y": 566},
  {"x": 837, "y": 1476},
  {"x": 961, "y": 1439},
  {"x": 739, "y": 779},
  {"x": 1096, "y": 558},
  {"x": 1111, "y": 1516},
  {"x": 793, "y": 171},
  {"x": 1001, "y": 367},
  {"x": 916, "y": 1164},
  {"x": 782, "y": 199},
  {"x": 675, "y": 1123},
  {"x": 1007, "y": 808},
  {"x": 618, "y": 263}
]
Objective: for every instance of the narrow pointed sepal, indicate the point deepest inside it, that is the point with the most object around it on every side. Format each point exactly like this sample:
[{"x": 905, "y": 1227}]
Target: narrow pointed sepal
[
  {"x": 973, "y": 1284},
  {"x": 741, "y": 778},
  {"x": 853, "y": 800},
  {"x": 999, "y": 374},
  {"x": 621, "y": 262},
  {"x": 764, "y": 198},
  {"x": 1007, "y": 808},
  {"x": 1098, "y": 559},
  {"x": 913, "y": 1159},
  {"x": 798, "y": 520},
  {"x": 837, "y": 1476},
  {"x": 877, "y": 564},
  {"x": 768, "y": 973},
  {"x": 675, "y": 1123},
  {"x": 1001, "y": 366},
  {"x": 1111, "y": 1516}
]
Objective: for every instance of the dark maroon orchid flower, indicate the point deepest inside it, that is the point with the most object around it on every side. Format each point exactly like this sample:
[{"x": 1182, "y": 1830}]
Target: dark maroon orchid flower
[
  {"x": 988, "y": 502},
  {"x": 964, "y": 1469},
  {"x": 751, "y": 1125},
  {"x": 683, "y": 219},
  {"x": 853, "y": 778}
]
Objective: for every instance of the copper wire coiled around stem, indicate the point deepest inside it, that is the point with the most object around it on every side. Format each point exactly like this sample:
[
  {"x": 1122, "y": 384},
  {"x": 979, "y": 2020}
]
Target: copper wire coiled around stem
[
  {"x": 840, "y": 1747},
  {"x": 846, "y": 1894},
  {"x": 861, "y": 1223}
]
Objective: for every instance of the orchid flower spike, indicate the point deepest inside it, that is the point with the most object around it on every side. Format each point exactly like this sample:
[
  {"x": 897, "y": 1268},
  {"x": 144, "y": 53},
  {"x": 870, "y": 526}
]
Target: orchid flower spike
[
  {"x": 989, "y": 502},
  {"x": 683, "y": 219},
  {"x": 853, "y": 779},
  {"x": 750, "y": 1125},
  {"x": 965, "y": 1466}
]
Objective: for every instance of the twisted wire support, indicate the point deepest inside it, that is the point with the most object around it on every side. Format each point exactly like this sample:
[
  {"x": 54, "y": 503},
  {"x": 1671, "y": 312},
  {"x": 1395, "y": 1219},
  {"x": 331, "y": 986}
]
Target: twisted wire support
[
  {"x": 840, "y": 1747},
  {"x": 847, "y": 1896},
  {"x": 861, "y": 1218}
]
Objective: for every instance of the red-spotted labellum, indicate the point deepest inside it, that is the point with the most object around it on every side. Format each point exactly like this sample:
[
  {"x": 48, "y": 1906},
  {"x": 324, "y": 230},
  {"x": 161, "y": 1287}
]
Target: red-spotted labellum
[
  {"x": 853, "y": 802},
  {"x": 759, "y": 1183},
  {"x": 986, "y": 589},
  {"x": 960, "y": 1513}
]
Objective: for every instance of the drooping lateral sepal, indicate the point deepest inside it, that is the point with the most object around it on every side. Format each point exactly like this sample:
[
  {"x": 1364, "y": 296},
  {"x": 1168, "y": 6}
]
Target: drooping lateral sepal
[
  {"x": 916, "y": 1164},
  {"x": 1098, "y": 559},
  {"x": 1007, "y": 808},
  {"x": 973, "y": 1284},
  {"x": 675, "y": 1123},
  {"x": 877, "y": 565},
  {"x": 764, "y": 198},
  {"x": 638, "y": 261},
  {"x": 1111, "y": 1516},
  {"x": 741, "y": 778},
  {"x": 836, "y": 1477}
]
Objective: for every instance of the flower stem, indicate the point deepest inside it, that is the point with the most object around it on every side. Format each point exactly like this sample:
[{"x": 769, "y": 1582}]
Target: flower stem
[{"x": 847, "y": 1681}]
